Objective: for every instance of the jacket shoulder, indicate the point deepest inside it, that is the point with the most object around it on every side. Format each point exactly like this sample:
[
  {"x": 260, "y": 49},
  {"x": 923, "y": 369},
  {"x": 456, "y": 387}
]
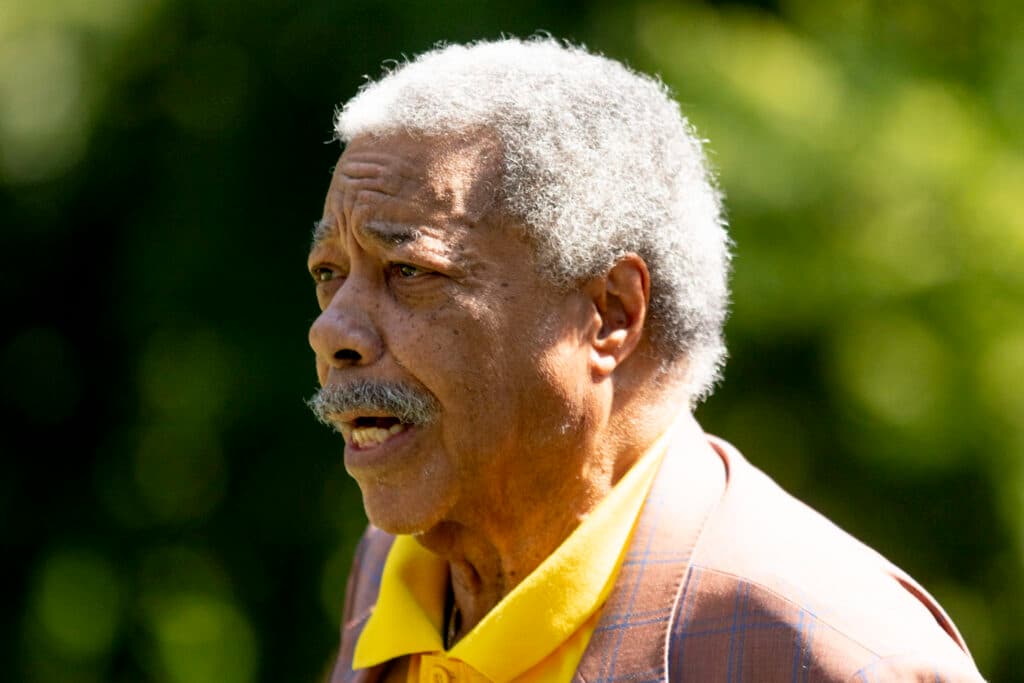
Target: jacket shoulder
[
  {"x": 729, "y": 627},
  {"x": 777, "y": 592}
]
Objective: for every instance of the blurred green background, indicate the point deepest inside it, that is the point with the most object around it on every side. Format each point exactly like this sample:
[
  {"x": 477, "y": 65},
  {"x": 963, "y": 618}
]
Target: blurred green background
[{"x": 171, "y": 513}]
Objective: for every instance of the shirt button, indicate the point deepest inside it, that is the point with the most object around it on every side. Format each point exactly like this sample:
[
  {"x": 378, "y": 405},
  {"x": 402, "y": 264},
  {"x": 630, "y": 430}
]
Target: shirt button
[{"x": 439, "y": 674}]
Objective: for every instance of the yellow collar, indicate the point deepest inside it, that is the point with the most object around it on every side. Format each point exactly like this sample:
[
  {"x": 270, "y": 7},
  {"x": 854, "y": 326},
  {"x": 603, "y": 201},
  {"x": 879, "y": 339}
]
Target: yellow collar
[{"x": 550, "y": 605}]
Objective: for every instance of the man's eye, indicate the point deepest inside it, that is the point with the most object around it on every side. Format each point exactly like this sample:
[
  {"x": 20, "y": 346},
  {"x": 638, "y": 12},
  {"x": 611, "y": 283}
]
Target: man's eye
[
  {"x": 323, "y": 274},
  {"x": 405, "y": 270}
]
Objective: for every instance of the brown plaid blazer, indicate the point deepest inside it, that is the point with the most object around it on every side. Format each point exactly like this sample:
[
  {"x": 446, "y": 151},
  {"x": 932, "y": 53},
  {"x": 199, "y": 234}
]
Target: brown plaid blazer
[{"x": 729, "y": 578}]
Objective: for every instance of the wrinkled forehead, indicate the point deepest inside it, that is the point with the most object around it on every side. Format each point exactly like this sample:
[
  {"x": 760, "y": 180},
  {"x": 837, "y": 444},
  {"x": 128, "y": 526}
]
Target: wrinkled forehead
[{"x": 456, "y": 175}]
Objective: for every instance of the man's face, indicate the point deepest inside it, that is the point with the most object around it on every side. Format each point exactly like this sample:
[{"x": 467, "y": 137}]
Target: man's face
[{"x": 422, "y": 287}]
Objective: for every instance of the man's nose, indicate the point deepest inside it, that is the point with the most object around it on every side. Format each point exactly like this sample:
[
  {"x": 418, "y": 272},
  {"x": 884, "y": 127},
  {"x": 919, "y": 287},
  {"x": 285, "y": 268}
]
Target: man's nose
[{"x": 343, "y": 336}]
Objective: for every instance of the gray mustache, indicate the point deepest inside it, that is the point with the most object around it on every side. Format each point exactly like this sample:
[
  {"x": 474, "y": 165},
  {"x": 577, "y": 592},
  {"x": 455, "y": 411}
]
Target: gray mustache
[{"x": 410, "y": 405}]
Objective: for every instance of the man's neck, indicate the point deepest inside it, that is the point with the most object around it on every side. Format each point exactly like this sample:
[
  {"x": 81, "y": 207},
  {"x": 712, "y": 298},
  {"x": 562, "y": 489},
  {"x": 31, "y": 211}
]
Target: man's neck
[
  {"x": 502, "y": 546},
  {"x": 485, "y": 566}
]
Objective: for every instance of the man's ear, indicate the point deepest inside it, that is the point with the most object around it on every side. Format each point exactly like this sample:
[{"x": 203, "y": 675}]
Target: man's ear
[{"x": 619, "y": 299}]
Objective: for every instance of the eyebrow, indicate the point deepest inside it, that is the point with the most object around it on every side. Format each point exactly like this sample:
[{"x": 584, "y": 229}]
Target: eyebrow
[
  {"x": 382, "y": 232},
  {"x": 322, "y": 230},
  {"x": 389, "y": 234}
]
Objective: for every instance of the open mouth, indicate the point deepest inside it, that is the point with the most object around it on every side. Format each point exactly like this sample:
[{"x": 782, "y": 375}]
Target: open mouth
[{"x": 366, "y": 432}]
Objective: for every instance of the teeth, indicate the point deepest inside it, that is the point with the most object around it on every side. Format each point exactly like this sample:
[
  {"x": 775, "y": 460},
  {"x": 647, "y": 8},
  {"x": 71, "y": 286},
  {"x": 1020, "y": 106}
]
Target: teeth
[{"x": 368, "y": 437}]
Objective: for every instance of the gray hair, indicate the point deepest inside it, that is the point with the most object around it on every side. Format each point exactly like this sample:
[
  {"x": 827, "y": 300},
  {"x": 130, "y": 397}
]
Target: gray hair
[{"x": 598, "y": 161}]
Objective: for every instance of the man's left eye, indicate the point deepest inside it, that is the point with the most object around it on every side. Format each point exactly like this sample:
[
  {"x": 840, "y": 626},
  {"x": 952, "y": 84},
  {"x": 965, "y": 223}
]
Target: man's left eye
[{"x": 405, "y": 270}]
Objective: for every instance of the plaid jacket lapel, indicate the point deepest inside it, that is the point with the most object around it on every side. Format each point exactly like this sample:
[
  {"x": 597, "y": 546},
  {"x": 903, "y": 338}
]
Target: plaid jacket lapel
[
  {"x": 630, "y": 642},
  {"x": 361, "y": 596},
  {"x": 343, "y": 672}
]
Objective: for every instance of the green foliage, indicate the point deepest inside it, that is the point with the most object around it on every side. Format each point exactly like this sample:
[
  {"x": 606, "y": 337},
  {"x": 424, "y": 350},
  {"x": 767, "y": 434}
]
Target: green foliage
[{"x": 173, "y": 512}]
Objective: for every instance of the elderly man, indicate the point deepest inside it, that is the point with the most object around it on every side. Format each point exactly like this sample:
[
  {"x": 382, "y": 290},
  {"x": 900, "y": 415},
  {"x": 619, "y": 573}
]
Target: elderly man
[{"x": 522, "y": 272}]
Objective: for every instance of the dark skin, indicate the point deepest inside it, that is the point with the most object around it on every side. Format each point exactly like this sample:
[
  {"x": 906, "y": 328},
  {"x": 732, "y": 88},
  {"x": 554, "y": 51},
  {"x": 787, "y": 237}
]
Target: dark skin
[{"x": 546, "y": 396}]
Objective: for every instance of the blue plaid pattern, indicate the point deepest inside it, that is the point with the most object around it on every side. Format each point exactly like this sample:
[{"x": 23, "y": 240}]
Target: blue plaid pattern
[
  {"x": 630, "y": 641},
  {"x": 677, "y": 616}
]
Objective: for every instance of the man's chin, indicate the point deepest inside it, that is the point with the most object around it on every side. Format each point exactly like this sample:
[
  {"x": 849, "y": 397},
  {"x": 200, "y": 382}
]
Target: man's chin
[
  {"x": 397, "y": 527},
  {"x": 397, "y": 515}
]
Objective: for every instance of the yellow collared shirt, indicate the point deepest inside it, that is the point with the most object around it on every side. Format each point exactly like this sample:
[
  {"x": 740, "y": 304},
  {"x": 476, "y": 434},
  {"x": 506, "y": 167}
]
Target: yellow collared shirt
[{"x": 535, "y": 634}]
